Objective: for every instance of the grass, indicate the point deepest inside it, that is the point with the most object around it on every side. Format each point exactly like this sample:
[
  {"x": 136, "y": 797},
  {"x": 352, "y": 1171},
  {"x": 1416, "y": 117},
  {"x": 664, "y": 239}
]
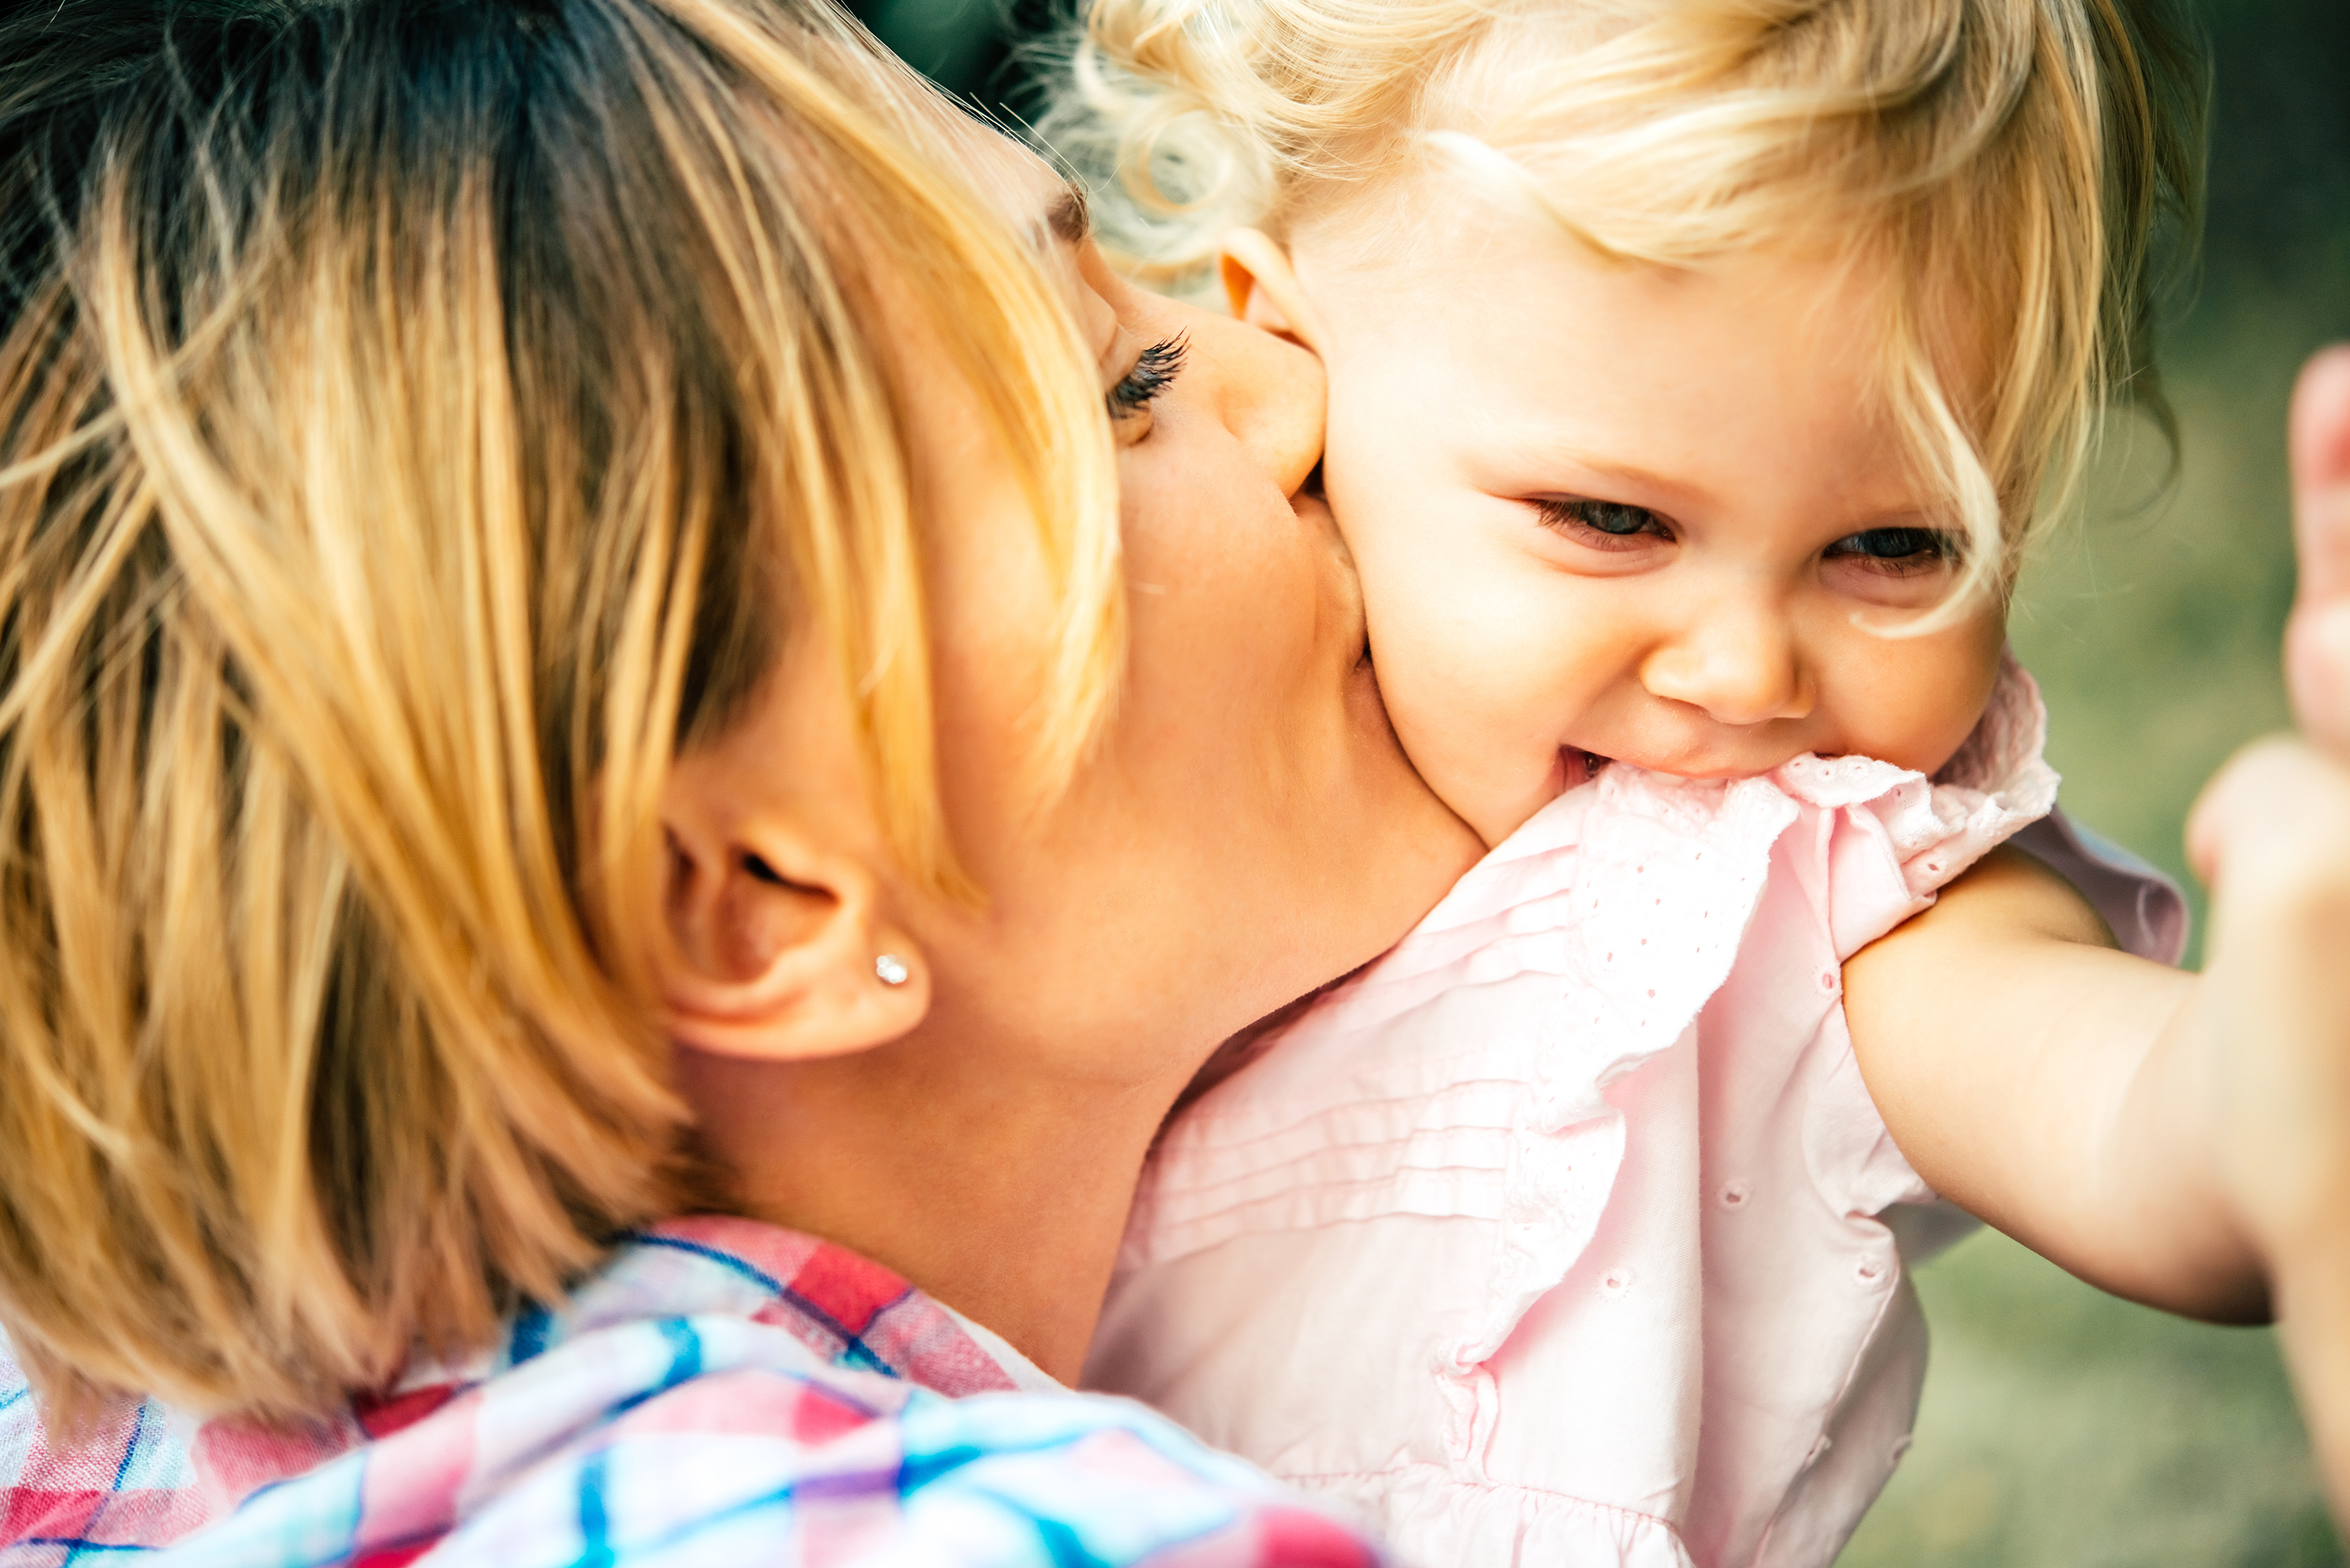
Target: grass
[{"x": 2062, "y": 1427}]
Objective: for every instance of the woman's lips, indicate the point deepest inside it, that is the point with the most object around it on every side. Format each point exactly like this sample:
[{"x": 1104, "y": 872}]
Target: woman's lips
[{"x": 1578, "y": 767}]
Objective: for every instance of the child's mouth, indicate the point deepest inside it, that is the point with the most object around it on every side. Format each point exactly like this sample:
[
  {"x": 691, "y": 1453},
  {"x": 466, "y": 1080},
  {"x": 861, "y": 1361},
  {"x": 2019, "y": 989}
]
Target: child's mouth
[{"x": 1579, "y": 766}]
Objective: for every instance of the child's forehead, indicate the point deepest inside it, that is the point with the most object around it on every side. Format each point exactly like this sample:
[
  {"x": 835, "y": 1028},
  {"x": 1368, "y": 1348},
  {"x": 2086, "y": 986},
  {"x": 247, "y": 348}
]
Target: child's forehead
[
  {"x": 1557, "y": 366},
  {"x": 1451, "y": 246},
  {"x": 1476, "y": 241}
]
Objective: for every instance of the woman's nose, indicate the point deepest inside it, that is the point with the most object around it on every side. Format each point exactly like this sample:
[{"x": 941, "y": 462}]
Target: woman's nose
[
  {"x": 1738, "y": 662},
  {"x": 1271, "y": 394}
]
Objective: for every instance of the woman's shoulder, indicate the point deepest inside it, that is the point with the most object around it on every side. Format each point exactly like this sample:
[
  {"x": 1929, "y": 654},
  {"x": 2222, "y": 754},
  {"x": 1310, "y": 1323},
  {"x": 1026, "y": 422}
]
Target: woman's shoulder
[
  {"x": 721, "y": 1389},
  {"x": 125, "y": 1480}
]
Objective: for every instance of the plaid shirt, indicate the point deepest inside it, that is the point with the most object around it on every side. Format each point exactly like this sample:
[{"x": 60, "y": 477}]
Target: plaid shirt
[{"x": 722, "y": 1393}]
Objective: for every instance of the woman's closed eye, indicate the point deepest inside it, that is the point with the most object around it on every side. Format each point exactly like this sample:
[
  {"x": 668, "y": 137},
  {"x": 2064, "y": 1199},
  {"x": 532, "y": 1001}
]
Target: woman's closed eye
[
  {"x": 1604, "y": 525},
  {"x": 1153, "y": 371}
]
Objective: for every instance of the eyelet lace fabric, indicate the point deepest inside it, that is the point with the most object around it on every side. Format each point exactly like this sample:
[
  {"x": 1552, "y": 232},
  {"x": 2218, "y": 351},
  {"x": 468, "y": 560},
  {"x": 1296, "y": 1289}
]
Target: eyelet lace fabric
[{"x": 1566, "y": 1233}]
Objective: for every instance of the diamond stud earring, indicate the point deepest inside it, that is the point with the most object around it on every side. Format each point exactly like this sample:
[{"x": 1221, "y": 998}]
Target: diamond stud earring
[{"x": 890, "y": 970}]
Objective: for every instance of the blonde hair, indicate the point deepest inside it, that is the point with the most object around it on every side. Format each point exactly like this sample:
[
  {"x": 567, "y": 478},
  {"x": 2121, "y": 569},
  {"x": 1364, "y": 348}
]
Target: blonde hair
[
  {"x": 419, "y": 419},
  {"x": 2003, "y": 171}
]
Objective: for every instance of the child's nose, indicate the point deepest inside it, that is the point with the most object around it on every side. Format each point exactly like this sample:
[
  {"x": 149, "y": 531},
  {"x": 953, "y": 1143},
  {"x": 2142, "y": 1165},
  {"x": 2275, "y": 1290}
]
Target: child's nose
[{"x": 1738, "y": 662}]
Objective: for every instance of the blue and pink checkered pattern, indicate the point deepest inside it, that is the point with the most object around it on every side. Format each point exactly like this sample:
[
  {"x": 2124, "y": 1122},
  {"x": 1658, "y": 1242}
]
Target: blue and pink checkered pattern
[{"x": 722, "y": 1393}]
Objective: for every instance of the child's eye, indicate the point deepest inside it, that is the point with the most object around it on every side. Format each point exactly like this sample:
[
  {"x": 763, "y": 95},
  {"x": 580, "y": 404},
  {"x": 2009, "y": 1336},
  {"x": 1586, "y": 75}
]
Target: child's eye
[
  {"x": 1901, "y": 551},
  {"x": 1155, "y": 369},
  {"x": 1608, "y": 519}
]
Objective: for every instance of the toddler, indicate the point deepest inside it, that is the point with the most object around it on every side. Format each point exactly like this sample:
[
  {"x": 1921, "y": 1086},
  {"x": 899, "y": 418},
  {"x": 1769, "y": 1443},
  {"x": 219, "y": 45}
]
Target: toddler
[{"x": 1698, "y": 372}]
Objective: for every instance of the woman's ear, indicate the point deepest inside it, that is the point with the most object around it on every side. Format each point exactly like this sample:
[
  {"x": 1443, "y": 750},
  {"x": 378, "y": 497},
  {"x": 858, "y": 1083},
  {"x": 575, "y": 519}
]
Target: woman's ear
[
  {"x": 1263, "y": 288},
  {"x": 774, "y": 948}
]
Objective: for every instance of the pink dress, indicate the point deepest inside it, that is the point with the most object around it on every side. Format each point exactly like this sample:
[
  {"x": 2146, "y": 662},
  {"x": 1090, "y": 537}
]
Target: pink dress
[{"x": 1567, "y": 1233}]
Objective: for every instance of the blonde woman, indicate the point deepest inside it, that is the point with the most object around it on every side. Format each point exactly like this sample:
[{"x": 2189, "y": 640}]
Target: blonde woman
[{"x": 568, "y": 657}]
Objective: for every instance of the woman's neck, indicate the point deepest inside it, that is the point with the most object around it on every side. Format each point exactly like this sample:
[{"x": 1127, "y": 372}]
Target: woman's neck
[{"x": 1003, "y": 1193}]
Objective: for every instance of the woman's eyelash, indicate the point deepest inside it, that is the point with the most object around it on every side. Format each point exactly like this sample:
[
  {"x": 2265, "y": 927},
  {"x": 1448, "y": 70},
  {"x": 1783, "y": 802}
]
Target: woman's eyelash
[{"x": 1155, "y": 369}]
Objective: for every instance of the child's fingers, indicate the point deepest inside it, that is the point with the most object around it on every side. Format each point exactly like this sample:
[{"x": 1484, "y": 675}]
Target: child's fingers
[
  {"x": 2272, "y": 838},
  {"x": 2317, "y": 641},
  {"x": 2224, "y": 813},
  {"x": 2321, "y": 473},
  {"x": 2274, "y": 824},
  {"x": 2317, "y": 672}
]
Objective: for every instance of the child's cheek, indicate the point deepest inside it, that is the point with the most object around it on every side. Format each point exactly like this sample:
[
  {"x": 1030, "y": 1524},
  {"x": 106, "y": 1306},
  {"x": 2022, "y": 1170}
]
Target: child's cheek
[
  {"x": 1447, "y": 607},
  {"x": 1461, "y": 671},
  {"x": 1937, "y": 698}
]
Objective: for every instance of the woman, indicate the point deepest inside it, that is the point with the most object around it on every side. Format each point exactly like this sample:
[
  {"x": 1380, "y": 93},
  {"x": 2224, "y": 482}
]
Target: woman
[{"x": 561, "y": 587}]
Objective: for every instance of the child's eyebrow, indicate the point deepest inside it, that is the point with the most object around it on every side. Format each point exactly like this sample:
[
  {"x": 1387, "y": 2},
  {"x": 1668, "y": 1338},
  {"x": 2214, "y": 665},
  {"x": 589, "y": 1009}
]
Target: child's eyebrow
[{"x": 1538, "y": 452}]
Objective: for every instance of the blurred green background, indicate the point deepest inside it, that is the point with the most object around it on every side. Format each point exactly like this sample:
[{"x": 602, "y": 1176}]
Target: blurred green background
[{"x": 2062, "y": 1426}]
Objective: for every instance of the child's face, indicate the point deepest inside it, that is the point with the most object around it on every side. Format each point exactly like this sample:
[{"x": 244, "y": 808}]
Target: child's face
[{"x": 1612, "y": 512}]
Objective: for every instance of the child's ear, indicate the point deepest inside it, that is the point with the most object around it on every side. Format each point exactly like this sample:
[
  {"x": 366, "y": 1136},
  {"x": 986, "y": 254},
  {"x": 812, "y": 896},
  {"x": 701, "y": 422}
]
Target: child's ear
[
  {"x": 773, "y": 945},
  {"x": 1263, "y": 288}
]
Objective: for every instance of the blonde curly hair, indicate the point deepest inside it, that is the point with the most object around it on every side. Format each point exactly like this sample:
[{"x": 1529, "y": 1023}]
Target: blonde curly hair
[{"x": 2004, "y": 172}]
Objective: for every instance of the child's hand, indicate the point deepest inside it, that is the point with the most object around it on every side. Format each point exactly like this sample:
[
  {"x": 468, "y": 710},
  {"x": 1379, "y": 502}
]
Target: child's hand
[{"x": 2271, "y": 837}]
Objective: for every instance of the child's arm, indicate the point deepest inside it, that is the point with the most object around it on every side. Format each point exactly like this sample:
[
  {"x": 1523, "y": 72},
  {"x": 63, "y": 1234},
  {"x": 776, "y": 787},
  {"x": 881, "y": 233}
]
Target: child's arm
[
  {"x": 2058, "y": 1089},
  {"x": 2169, "y": 1137}
]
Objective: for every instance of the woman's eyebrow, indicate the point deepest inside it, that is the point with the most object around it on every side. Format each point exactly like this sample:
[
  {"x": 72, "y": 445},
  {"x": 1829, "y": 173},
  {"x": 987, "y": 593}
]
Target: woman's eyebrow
[{"x": 1068, "y": 218}]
